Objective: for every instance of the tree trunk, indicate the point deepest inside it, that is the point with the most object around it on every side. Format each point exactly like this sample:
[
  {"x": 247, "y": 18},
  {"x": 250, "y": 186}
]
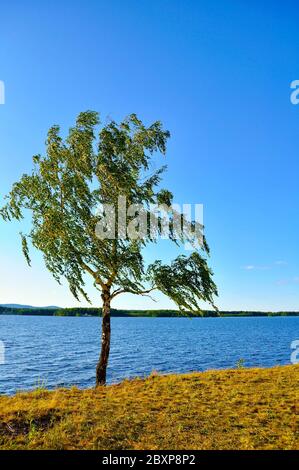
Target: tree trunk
[{"x": 106, "y": 331}]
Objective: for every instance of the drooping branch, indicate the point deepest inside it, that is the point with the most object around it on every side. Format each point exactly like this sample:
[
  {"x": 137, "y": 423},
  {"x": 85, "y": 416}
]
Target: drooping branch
[{"x": 186, "y": 281}]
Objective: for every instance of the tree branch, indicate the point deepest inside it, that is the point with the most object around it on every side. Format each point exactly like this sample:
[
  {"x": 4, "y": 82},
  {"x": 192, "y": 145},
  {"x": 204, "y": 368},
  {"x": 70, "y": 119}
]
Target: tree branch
[
  {"x": 131, "y": 291},
  {"x": 93, "y": 273}
]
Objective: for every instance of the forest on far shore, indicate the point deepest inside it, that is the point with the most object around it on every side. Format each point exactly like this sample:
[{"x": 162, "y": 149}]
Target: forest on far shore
[{"x": 95, "y": 312}]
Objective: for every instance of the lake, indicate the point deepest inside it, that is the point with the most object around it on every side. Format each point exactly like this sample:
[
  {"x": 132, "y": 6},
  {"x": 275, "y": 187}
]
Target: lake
[{"x": 63, "y": 351}]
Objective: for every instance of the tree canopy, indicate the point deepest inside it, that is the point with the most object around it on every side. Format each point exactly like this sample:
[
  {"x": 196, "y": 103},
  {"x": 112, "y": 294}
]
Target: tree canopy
[{"x": 79, "y": 174}]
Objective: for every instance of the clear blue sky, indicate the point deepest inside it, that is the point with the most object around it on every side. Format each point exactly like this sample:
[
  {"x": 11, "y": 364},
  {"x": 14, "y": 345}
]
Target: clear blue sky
[{"x": 218, "y": 75}]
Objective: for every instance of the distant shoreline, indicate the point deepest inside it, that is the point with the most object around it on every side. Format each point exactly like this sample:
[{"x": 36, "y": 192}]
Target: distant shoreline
[{"x": 93, "y": 312}]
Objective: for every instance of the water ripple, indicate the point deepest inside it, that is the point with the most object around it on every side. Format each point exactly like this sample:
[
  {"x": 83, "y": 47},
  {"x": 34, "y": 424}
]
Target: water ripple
[{"x": 64, "y": 351}]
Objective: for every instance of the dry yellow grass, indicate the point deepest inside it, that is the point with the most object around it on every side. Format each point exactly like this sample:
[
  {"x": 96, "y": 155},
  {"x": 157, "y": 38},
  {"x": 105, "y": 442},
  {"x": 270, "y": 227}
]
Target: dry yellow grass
[{"x": 229, "y": 409}]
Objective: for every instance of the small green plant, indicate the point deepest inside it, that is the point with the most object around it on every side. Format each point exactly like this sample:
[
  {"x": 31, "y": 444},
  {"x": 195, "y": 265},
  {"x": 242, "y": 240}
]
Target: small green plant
[
  {"x": 32, "y": 430},
  {"x": 240, "y": 364},
  {"x": 40, "y": 385}
]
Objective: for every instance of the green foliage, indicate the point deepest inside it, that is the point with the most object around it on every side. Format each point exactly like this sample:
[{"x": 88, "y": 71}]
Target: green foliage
[
  {"x": 240, "y": 364},
  {"x": 64, "y": 192},
  {"x": 186, "y": 280}
]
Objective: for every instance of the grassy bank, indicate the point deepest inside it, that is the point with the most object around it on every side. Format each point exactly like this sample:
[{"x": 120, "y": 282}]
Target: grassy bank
[{"x": 231, "y": 409}]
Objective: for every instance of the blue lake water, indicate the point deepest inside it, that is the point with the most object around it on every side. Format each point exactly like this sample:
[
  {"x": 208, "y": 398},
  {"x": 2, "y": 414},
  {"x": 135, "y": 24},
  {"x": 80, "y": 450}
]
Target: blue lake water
[{"x": 60, "y": 351}]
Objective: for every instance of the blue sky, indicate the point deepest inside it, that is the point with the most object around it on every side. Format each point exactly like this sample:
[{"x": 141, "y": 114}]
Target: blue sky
[{"x": 218, "y": 75}]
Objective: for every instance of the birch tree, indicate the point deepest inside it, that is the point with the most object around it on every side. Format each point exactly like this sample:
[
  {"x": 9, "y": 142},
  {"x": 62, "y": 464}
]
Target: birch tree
[{"x": 94, "y": 167}]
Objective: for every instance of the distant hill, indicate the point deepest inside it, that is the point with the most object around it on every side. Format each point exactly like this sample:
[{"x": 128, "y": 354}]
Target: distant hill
[{"x": 29, "y": 306}]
